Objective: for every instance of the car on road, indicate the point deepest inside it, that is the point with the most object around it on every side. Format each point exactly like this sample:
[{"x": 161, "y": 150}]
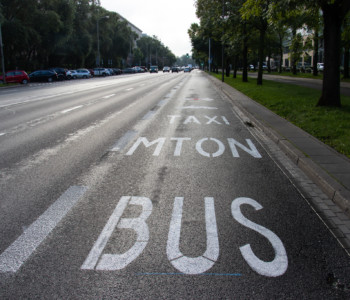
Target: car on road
[
  {"x": 61, "y": 73},
  {"x": 174, "y": 69},
  {"x": 72, "y": 74},
  {"x": 129, "y": 71},
  {"x": 83, "y": 73},
  {"x": 153, "y": 69},
  {"x": 166, "y": 69},
  {"x": 187, "y": 69},
  {"x": 101, "y": 72},
  {"x": 16, "y": 76},
  {"x": 43, "y": 75}
]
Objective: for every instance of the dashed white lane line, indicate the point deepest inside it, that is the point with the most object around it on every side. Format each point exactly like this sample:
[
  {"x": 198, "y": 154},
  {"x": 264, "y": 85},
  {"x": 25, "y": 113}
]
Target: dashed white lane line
[
  {"x": 129, "y": 89},
  {"x": 22, "y": 248},
  {"x": 109, "y": 96},
  {"x": 124, "y": 140},
  {"x": 2, "y": 133},
  {"x": 71, "y": 109}
]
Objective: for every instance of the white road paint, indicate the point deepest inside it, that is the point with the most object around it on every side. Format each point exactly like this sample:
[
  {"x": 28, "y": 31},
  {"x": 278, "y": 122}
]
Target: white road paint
[
  {"x": 23, "y": 247},
  {"x": 109, "y": 96},
  {"x": 124, "y": 140},
  {"x": 111, "y": 262},
  {"x": 193, "y": 265},
  {"x": 233, "y": 144},
  {"x": 278, "y": 266},
  {"x": 2, "y": 133},
  {"x": 129, "y": 89},
  {"x": 198, "y": 107},
  {"x": 149, "y": 115},
  {"x": 71, "y": 109}
]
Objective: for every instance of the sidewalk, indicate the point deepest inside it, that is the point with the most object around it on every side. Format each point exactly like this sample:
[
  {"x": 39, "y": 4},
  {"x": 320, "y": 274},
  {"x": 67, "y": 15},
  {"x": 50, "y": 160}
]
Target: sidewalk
[{"x": 327, "y": 168}]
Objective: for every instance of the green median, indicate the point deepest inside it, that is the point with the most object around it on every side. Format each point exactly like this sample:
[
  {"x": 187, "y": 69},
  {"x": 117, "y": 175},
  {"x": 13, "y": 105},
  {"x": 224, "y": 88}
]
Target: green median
[{"x": 298, "y": 105}]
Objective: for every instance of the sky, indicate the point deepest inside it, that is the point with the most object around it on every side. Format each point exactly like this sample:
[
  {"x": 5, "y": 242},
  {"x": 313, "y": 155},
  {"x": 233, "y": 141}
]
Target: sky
[{"x": 168, "y": 20}]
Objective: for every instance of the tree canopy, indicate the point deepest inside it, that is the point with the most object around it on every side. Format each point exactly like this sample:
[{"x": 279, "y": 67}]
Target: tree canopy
[{"x": 49, "y": 33}]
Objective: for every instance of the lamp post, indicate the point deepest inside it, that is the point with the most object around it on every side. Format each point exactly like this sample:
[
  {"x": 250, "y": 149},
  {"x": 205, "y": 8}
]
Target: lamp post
[{"x": 98, "y": 39}]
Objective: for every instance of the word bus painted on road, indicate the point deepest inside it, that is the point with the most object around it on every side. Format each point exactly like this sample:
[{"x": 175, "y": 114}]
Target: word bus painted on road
[{"x": 97, "y": 260}]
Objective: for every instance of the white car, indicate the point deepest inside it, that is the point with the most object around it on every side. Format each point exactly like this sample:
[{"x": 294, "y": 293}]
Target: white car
[
  {"x": 83, "y": 73},
  {"x": 72, "y": 74}
]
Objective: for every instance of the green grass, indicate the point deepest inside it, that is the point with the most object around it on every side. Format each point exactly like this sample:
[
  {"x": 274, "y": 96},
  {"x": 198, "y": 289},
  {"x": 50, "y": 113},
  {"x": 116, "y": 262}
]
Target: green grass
[{"x": 298, "y": 105}]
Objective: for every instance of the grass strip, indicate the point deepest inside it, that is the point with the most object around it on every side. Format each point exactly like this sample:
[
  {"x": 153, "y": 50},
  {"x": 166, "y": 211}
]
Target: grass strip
[{"x": 297, "y": 104}]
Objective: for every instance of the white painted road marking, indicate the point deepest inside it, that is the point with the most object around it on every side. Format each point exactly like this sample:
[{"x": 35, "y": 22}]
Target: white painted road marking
[
  {"x": 109, "y": 96},
  {"x": 279, "y": 265},
  {"x": 193, "y": 265},
  {"x": 198, "y": 107},
  {"x": 129, "y": 89},
  {"x": 124, "y": 140},
  {"x": 2, "y": 133},
  {"x": 71, "y": 109},
  {"x": 111, "y": 262},
  {"x": 23, "y": 247}
]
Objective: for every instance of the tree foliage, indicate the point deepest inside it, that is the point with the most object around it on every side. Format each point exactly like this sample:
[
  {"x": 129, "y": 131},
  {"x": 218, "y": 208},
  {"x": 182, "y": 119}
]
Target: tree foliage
[
  {"x": 49, "y": 33},
  {"x": 276, "y": 22}
]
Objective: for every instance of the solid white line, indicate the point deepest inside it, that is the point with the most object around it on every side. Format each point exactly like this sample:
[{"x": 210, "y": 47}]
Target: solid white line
[
  {"x": 70, "y": 109},
  {"x": 22, "y": 248},
  {"x": 129, "y": 89},
  {"x": 2, "y": 133}
]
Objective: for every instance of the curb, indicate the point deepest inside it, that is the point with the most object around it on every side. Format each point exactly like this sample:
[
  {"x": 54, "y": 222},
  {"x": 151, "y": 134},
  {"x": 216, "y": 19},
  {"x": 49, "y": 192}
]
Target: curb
[{"x": 333, "y": 189}]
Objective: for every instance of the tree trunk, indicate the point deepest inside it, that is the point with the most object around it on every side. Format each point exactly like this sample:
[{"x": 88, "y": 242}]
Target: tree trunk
[
  {"x": 346, "y": 62},
  {"x": 281, "y": 54},
  {"x": 314, "y": 67},
  {"x": 245, "y": 54},
  {"x": 235, "y": 66},
  {"x": 332, "y": 41},
  {"x": 261, "y": 56}
]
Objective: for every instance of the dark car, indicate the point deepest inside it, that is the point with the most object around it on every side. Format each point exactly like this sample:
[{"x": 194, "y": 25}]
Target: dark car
[
  {"x": 16, "y": 76},
  {"x": 43, "y": 75},
  {"x": 61, "y": 73},
  {"x": 153, "y": 69},
  {"x": 175, "y": 69}
]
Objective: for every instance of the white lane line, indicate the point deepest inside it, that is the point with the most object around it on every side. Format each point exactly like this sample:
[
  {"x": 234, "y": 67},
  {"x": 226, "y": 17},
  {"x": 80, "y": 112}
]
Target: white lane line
[
  {"x": 109, "y": 96},
  {"x": 2, "y": 133},
  {"x": 123, "y": 141},
  {"x": 198, "y": 107},
  {"x": 162, "y": 102},
  {"x": 129, "y": 89},
  {"x": 70, "y": 109},
  {"x": 22, "y": 248}
]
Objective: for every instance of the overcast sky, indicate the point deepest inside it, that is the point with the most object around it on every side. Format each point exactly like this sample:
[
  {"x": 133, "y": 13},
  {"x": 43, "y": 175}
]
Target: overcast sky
[{"x": 169, "y": 20}]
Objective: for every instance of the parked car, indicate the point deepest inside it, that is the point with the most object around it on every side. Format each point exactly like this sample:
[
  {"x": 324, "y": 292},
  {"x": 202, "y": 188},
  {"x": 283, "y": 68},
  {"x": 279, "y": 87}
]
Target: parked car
[
  {"x": 43, "y": 75},
  {"x": 92, "y": 72},
  {"x": 72, "y": 74},
  {"x": 101, "y": 72},
  {"x": 83, "y": 73},
  {"x": 187, "y": 69},
  {"x": 144, "y": 69},
  {"x": 129, "y": 71},
  {"x": 61, "y": 73},
  {"x": 166, "y": 69},
  {"x": 153, "y": 69},
  {"x": 117, "y": 71},
  {"x": 16, "y": 76},
  {"x": 174, "y": 69},
  {"x": 320, "y": 66}
]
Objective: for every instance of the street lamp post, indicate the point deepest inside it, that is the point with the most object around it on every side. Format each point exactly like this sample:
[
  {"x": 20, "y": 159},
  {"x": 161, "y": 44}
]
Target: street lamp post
[{"x": 98, "y": 39}]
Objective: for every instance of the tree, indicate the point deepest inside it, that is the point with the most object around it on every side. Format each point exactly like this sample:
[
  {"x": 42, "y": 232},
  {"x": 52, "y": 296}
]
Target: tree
[{"x": 334, "y": 13}]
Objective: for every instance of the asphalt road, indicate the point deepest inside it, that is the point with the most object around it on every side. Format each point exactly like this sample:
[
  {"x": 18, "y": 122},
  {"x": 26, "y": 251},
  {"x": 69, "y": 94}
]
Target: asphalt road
[{"x": 151, "y": 186}]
